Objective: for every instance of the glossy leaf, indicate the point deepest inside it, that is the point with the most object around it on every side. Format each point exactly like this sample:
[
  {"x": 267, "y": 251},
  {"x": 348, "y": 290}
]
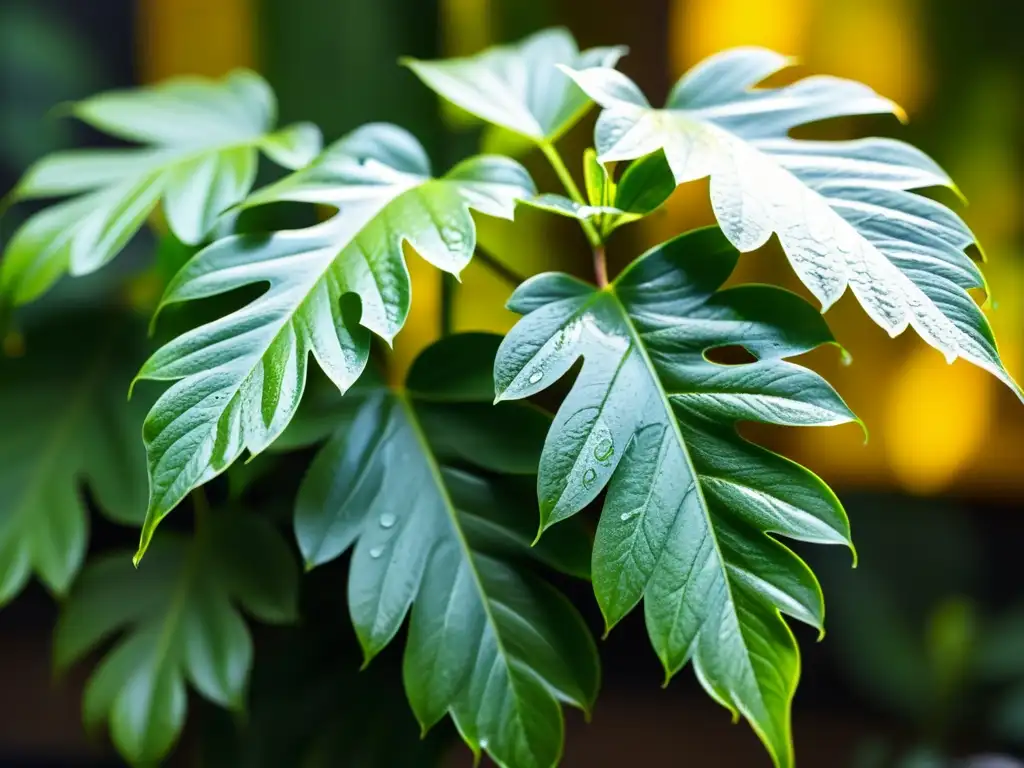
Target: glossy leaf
[
  {"x": 177, "y": 619},
  {"x": 435, "y": 537},
  {"x": 844, "y": 211},
  {"x": 66, "y": 428},
  {"x": 202, "y": 139},
  {"x": 239, "y": 379},
  {"x": 645, "y": 185},
  {"x": 689, "y": 503},
  {"x": 517, "y": 86}
]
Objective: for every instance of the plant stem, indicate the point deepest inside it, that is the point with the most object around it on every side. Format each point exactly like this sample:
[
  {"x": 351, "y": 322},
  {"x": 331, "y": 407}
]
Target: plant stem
[
  {"x": 449, "y": 287},
  {"x": 498, "y": 267},
  {"x": 570, "y": 186},
  {"x": 600, "y": 267}
]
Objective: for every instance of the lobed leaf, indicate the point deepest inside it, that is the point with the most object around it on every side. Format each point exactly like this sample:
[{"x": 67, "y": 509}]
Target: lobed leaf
[
  {"x": 178, "y": 622},
  {"x": 844, "y": 211},
  {"x": 437, "y": 538},
  {"x": 516, "y": 86},
  {"x": 202, "y": 142},
  {"x": 66, "y": 427},
  {"x": 689, "y": 503},
  {"x": 239, "y": 379}
]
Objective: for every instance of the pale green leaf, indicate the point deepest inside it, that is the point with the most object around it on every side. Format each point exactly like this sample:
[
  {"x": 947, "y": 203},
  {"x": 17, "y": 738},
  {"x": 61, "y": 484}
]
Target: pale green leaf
[
  {"x": 489, "y": 642},
  {"x": 518, "y": 86},
  {"x": 689, "y": 503},
  {"x": 844, "y": 211},
  {"x": 203, "y": 138},
  {"x": 239, "y": 379},
  {"x": 66, "y": 428},
  {"x": 178, "y": 622}
]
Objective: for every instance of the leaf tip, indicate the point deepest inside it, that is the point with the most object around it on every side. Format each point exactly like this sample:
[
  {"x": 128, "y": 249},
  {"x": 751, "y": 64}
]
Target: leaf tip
[
  {"x": 65, "y": 109},
  {"x": 900, "y": 112},
  {"x": 863, "y": 428}
]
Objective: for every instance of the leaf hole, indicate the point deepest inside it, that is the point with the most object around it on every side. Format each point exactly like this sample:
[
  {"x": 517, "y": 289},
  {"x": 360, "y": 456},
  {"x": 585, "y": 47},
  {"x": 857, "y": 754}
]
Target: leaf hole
[{"x": 730, "y": 354}]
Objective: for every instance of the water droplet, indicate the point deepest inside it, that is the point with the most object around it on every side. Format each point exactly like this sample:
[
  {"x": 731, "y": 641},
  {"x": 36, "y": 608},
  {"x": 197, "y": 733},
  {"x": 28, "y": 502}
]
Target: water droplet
[
  {"x": 484, "y": 743},
  {"x": 387, "y": 520},
  {"x": 376, "y": 552},
  {"x": 536, "y": 376},
  {"x": 627, "y": 516},
  {"x": 604, "y": 449},
  {"x": 589, "y": 477}
]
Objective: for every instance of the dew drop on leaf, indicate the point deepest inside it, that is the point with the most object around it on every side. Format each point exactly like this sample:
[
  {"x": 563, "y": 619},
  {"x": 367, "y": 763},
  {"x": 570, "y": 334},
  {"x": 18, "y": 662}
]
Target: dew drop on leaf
[
  {"x": 376, "y": 552},
  {"x": 627, "y": 516},
  {"x": 387, "y": 520},
  {"x": 604, "y": 449},
  {"x": 536, "y": 376},
  {"x": 588, "y": 478}
]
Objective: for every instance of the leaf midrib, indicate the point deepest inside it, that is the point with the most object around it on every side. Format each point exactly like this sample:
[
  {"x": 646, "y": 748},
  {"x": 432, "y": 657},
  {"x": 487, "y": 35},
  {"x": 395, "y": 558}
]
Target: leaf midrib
[
  {"x": 435, "y": 472},
  {"x": 705, "y": 507}
]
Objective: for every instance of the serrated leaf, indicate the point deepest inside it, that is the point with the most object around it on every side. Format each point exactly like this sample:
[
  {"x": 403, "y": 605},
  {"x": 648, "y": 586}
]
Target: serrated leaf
[
  {"x": 489, "y": 642},
  {"x": 202, "y": 142},
  {"x": 239, "y": 379},
  {"x": 178, "y": 622},
  {"x": 844, "y": 211},
  {"x": 66, "y": 427},
  {"x": 517, "y": 86},
  {"x": 689, "y": 502}
]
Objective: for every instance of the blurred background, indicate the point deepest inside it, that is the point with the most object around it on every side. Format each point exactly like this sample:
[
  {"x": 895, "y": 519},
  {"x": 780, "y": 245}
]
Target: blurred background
[{"x": 923, "y": 664}]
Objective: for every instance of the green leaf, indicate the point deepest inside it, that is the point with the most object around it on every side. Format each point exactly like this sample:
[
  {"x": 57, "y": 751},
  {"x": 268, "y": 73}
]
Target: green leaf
[
  {"x": 240, "y": 378},
  {"x": 844, "y": 211},
  {"x": 177, "y": 618},
  {"x": 689, "y": 502},
  {"x": 66, "y": 426},
  {"x": 489, "y": 642},
  {"x": 202, "y": 141},
  {"x": 517, "y": 86},
  {"x": 645, "y": 185},
  {"x": 564, "y": 206}
]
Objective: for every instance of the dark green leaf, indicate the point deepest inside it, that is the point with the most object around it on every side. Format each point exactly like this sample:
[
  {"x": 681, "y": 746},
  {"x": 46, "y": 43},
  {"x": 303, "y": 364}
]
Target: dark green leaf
[
  {"x": 489, "y": 642},
  {"x": 689, "y": 503},
  {"x": 66, "y": 423},
  {"x": 179, "y": 622}
]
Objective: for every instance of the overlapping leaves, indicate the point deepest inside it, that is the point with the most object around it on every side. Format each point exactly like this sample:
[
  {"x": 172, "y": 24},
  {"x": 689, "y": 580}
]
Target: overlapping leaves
[
  {"x": 844, "y": 211},
  {"x": 66, "y": 428},
  {"x": 240, "y": 378},
  {"x": 403, "y": 481},
  {"x": 689, "y": 502},
  {"x": 643, "y": 187},
  {"x": 178, "y": 621},
  {"x": 202, "y": 142}
]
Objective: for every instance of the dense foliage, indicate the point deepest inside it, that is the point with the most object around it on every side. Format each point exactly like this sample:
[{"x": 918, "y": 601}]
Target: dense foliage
[{"x": 429, "y": 480}]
